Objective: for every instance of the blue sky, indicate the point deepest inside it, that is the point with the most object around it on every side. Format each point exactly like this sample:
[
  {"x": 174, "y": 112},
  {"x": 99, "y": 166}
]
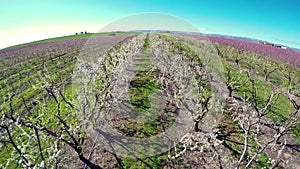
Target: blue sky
[{"x": 276, "y": 21}]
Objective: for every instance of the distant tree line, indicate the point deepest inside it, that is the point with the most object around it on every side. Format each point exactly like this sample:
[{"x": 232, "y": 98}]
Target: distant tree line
[{"x": 81, "y": 33}]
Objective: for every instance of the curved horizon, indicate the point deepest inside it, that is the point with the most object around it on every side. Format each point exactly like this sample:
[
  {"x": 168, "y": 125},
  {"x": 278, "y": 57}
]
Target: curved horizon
[{"x": 272, "y": 21}]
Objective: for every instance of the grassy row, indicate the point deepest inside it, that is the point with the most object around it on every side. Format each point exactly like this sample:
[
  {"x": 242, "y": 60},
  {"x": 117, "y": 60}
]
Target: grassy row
[
  {"x": 280, "y": 109},
  {"x": 257, "y": 63}
]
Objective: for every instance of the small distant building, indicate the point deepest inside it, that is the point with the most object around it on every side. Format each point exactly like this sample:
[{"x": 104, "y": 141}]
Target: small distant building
[
  {"x": 262, "y": 42},
  {"x": 283, "y": 47},
  {"x": 271, "y": 44},
  {"x": 278, "y": 46}
]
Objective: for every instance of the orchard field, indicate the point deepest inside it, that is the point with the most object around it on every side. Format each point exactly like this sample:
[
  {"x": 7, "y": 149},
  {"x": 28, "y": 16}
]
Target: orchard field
[{"x": 242, "y": 98}]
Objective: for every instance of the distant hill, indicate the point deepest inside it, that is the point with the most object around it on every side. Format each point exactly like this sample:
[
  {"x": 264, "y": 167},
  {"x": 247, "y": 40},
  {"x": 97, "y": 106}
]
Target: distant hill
[
  {"x": 296, "y": 49},
  {"x": 247, "y": 39},
  {"x": 213, "y": 35},
  {"x": 87, "y": 35},
  {"x": 143, "y": 31},
  {"x": 235, "y": 37}
]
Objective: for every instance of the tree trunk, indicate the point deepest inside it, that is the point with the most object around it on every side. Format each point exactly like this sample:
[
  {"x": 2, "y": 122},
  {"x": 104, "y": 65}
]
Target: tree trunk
[{"x": 89, "y": 163}]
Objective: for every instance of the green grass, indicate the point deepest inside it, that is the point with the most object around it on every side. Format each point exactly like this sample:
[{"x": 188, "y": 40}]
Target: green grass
[
  {"x": 263, "y": 161},
  {"x": 280, "y": 109},
  {"x": 45, "y": 115},
  {"x": 147, "y": 42},
  {"x": 154, "y": 162},
  {"x": 251, "y": 60},
  {"x": 142, "y": 88}
]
